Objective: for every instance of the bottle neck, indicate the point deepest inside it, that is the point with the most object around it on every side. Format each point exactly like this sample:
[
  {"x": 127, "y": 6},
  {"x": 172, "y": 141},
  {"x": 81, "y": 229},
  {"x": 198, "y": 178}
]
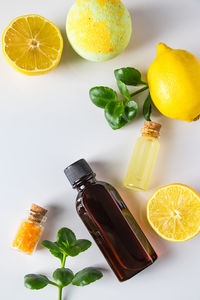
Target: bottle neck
[
  {"x": 150, "y": 133},
  {"x": 37, "y": 214},
  {"x": 151, "y": 129},
  {"x": 36, "y": 218},
  {"x": 83, "y": 182}
]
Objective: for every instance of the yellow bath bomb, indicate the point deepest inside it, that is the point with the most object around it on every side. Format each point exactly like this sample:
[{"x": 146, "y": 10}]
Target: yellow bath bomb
[{"x": 98, "y": 30}]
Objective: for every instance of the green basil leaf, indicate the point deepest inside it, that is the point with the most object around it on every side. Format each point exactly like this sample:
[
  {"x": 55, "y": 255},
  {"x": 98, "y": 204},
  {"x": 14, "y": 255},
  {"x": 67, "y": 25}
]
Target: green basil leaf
[
  {"x": 101, "y": 95},
  {"x": 65, "y": 237},
  {"x": 73, "y": 251},
  {"x": 86, "y": 276},
  {"x": 114, "y": 114},
  {"x": 147, "y": 108},
  {"x": 57, "y": 254},
  {"x": 63, "y": 276},
  {"x": 49, "y": 245},
  {"x": 78, "y": 247},
  {"x": 35, "y": 282},
  {"x": 83, "y": 244},
  {"x": 53, "y": 248},
  {"x": 63, "y": 247},
  {"x": 129, "y": 76},
  {"x": 123, "y": 89},
  {"x": 131, "y": 110}
]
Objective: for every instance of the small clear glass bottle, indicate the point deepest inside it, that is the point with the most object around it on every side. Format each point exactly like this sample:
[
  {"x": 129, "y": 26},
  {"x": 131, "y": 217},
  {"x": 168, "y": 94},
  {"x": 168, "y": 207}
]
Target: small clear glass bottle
[
  {"x": 30, "y": 230},
  {"x": 144, "y": 157}
]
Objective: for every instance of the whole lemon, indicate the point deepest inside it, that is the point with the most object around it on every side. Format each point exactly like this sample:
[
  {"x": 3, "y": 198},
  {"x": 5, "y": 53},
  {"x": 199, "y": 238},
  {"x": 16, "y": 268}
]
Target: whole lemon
[
  {"x": 98, "y": 30},
  {"x": 174, "y": 83}
]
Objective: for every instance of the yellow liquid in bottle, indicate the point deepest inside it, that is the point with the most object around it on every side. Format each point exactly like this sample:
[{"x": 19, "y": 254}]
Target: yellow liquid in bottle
[{"x": 142, "y": 163}]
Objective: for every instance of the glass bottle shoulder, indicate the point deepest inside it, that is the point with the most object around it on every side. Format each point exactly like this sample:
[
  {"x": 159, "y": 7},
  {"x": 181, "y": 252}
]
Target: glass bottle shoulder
[
  {"x": 91, "y": 187},
  {"x": 101, "y": 188}
]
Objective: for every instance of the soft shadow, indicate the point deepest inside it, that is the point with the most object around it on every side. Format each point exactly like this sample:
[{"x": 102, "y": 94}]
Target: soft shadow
[
  {"x": 102, "y": 269},
  {"x": 152, "y": 20},
  {"x": 135, "y": 202},
  {"x": 166, "y": 139},
  {"x": 137, "y": 205},
  {"x": 161, "y": 246},
  {"x": 67, "y": 292},
  {"x": 69, "y": 56},
  {"x": 54, "y": 212},
  {"x": 104, "y": 170}
]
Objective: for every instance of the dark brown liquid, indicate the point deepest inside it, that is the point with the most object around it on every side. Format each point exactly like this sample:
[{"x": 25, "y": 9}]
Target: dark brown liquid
[{"x": 115, "y": 231}]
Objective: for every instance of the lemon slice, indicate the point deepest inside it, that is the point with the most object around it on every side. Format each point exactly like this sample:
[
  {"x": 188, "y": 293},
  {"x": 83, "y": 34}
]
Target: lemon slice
[
  {"x": 32, "y": 44},
  {"x": 174, "y": 212}
]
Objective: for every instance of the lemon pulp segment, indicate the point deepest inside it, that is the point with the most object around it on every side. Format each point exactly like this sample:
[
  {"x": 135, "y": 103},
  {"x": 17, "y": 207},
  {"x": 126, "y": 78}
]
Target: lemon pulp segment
[
  {"x": 32, "y": 44},
  {"x": 174, "y": 212}
]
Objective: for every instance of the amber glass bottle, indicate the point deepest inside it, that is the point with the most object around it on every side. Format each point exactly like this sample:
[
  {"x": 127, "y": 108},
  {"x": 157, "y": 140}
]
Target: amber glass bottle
[{"x": 108, "y": 220}]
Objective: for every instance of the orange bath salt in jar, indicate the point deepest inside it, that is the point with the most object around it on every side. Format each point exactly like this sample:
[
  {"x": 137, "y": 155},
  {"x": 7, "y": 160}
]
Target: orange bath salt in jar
[{"x": 30, "y": 230}]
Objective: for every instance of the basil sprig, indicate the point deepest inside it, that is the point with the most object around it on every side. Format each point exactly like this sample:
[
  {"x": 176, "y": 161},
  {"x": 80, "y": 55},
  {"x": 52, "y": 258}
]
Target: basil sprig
[
  {"x": 119, "y": 112},
  {"x": 66, "y": 245}
]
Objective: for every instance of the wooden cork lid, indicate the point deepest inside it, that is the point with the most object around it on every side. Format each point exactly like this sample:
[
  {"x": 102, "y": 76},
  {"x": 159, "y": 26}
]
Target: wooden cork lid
[
  {"x": 37, "y": 213},
  {"x": 151, "y": 129},
  {"x": 38, "y": 209}
]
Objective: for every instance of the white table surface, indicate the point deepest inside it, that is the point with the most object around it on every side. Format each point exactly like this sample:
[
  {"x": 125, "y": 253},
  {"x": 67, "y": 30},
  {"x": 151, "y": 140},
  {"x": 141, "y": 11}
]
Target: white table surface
[{"x": 48, "y": 122}]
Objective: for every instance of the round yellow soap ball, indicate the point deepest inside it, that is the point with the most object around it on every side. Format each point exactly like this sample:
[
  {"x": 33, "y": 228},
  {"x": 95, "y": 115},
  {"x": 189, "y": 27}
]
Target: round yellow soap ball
[{"x": 98, "y": 30}]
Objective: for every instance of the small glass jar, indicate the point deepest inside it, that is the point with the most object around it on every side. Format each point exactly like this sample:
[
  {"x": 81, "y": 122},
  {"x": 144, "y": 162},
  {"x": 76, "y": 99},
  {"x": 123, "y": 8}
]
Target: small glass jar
[
  {"x": 143, "y": 158},
  {"x": 30, "y": 230}
]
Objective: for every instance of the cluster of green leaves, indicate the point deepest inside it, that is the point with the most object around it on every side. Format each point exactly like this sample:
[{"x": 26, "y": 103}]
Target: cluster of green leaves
[
  {"x": 66, "y": 245},
  {"x": 120, "y": 112}
]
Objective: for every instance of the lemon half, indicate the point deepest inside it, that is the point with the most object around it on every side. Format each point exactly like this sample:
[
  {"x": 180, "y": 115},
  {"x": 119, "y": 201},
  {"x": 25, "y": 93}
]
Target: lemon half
[
  {"x": 173, "y": 211},
  {"x": 32, "y": 44}
]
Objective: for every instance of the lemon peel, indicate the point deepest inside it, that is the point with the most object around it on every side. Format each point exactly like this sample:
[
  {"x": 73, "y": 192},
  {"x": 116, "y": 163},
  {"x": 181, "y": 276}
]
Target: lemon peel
[{"x": 173, "y": 80}]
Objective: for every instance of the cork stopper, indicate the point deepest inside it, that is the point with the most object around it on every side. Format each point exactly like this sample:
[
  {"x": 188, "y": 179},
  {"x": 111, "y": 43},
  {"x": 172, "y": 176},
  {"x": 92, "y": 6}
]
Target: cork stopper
[
  {"x": 37, "y": 213},
  {"x": 151, "y": 129}
]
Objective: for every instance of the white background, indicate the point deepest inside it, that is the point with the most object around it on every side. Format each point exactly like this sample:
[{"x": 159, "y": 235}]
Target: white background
[{"x": 48, "y": 122}]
